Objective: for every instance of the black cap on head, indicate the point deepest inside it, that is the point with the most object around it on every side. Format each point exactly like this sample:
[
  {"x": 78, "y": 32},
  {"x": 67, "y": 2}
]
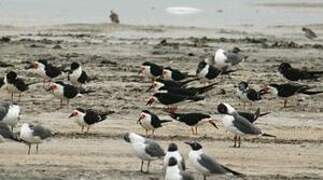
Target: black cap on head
[
  {"x": 146, "y": 111},
  {"x": 172, "y": 147},
  {"x": 222, "y": 108},
  {"x": 243, "y": 85},
  {"x": 172, "y": 161},
  {"x": 75, "y": 65},
  {"x": 194, "y": 145},
  {"x": 283, "y": 67},
  {"x": 11, "y": 76},
  {"x": 43, "y": 61},
  {"x": 236, "y": 50},
  {"x": 81, "y": 110}
]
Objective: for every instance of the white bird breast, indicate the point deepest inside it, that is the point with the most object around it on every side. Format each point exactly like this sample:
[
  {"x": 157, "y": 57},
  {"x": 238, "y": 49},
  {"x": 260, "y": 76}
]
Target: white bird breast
[
  {"x": 194, "y": 156},
  {"x": 75, "y": 75},
  {"x": 12, "y": 116},
  {"x": 173, "y": 173}
]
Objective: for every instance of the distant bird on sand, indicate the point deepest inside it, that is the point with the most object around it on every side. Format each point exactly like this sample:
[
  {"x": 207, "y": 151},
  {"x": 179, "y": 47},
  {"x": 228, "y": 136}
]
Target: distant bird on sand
[
  {"x": 77, "y": 76},
  {"x": 224, "y": 60},
  {"x": 150, "y": 121},
  {"x": 309, "y": 33},
  {"x": 294, "y": 74},
  {"x": 114, "y": 17},
  {"x": 31, "y": 134},
  {"x": 145, "y": 149},
  {"x": 13, "y": 84}
]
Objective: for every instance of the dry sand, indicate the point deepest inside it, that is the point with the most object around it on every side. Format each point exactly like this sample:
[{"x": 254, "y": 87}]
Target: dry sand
[{"x": 113, "y": 55}]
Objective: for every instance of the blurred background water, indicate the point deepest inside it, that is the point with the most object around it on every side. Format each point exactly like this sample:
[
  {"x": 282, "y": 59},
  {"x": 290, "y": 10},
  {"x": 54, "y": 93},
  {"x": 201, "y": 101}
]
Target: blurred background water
[{"x": 208, "y": 13}]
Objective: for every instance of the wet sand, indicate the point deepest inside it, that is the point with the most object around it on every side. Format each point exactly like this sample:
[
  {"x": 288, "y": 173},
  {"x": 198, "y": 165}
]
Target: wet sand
[{"x": 113, "y": 54}]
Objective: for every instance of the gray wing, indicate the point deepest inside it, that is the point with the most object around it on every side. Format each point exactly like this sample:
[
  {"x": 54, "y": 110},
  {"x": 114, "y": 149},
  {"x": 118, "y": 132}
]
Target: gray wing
[
  {"x": 211, "y": 165},
  {"x": 245, "y": 126},
  {"x": 233, "y": 58},
  {"x": 4, "y": 108},
  {"x": 186, "y": 176},
  {"x": 5, "y": 132},
  {"x": 154, "y": 149},
  {"x": 41, "y": 132}
]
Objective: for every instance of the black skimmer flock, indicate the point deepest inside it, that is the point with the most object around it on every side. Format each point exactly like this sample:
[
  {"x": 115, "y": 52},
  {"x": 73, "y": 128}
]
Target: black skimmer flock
[
  {"x": 294, "y": 74},
  {"x": 145, "y": 149},
  {"x": 34, "y": 134},
  {"x": 206, "y": 165},
  {"x": 237, "y": 124},
  {"x": 9, "y": 114},
  {"x": 150, "y": 121}
]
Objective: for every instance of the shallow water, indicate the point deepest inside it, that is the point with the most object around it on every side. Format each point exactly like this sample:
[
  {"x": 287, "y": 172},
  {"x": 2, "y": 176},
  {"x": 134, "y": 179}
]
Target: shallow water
[{"x": 153, "y": 12}]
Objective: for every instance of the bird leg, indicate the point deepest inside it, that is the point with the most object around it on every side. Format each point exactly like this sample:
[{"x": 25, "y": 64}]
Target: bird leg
[
  {"x": 29, "y": 146},
  {"x": 12, "y": 97},
  {"x": 204, "y": 177},
  {"x": 87, "y": 130},
  {"x": 285, "y": 103},
  {"x": 195, "y": 130},
  {"x": 19, "y": 97},
  {"x": 82, "y": 128},
  {"x": 239, "y": 141},
  {"x": 148, "y": 166},
  {"x": 142, "y": 164},
  {"x": 235, "y": 141},
  {"x": 37, "y": 149}
]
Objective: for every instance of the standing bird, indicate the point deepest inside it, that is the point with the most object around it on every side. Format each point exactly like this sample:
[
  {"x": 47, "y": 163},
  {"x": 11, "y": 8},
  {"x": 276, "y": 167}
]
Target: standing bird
[
  {"x": 205, "y": 164},
  {"x": 77, "y": 76},
  {"x": 174, "y": 74},
  {"x": 247, "y": 94},
  {"x": 87, "y": 118},
  {"x": 309, "y": 33},
  {"x": 170, "y": 99},
  {"x": 173, "y": 171},
  {"x": 6, "y": 133},
  {"x": 287, "y": 90},
  {"x": 114, "y": 17},
  {"x": 224, "y": 60},
  {"x": 14, "y": 84},
  {"x": 31, "y": 134},
  {"x": 237, "y": 124},
  {"x": 9, "y": 114},
  {"x": 193, "y": 120},
  {"x": 45, "y": 70},
  {"x": 150, "y": 70},
  {"x": 158, "y": 83},
  {"x": 145, "y": 149},
  {"x": 173, "y": 152},
  {"x": 207, "y": 72},
  {"x": 150, "y": 121},
  {"x": 294, "y": 74},
  {"x": 65, "y": 91}
]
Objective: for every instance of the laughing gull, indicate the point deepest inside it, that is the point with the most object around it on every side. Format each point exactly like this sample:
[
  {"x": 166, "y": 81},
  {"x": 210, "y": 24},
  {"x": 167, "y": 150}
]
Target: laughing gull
[
  {"x": 294, "y": 74},
  {"x": 309, "y": 33},
  {"x": 207, "y": 72},
  {"x": 287, "y": 90},
  {"x": 145, "y": 149},
  {"x": 170, "y": 99},
  {"x": 205, "y": 164},
  {"x": 174, "y": 74},
  {"x": 150, "y": 121},
  {"x": 224, "y": 60},
  {"x": 88, "y": 117},
  {"x": 45, "y": 70},
  {"x": 173, "y": 171},
  {"x": 65, "y": 91},
  {"x": 237, "y": 124},
  {"x": 173, "y": 152},
  {"x": 247, "y": 94},
  {"x": 114, "y": 17},
  {"x": 5, "y": 133},
  {"x": 76, "y": 75},
  {"x": 9, "y": 114},
  {"x": 193, "y": 120},
  {"x": 150, "y": 70},
  {"x": 31, "y": 134},
  {"x": 14, "y": 84}
]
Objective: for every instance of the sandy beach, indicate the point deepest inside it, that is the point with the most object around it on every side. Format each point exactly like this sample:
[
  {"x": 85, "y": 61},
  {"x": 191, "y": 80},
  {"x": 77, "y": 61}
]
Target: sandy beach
[{"x": 113, "y": 54}]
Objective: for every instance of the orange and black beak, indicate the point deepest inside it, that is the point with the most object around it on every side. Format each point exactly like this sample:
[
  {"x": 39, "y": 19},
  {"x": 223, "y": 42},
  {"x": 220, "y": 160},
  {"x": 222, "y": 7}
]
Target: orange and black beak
[
  {"x": 72, "y": 115},
  {"x": 52, "y": 87},
  {"x": 264, "y": 90},
  {"x": 140, "y": 118},
  {"x": 31, "y": 65},
  {"x": 151, "y": 87},
  {"x": 150, "y": 101}
]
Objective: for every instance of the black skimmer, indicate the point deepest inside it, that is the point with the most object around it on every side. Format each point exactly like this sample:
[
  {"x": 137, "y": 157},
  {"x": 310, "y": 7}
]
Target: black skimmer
[
  {"x": 145, "y": 149},
  {"x": 309, "y": 33},
  {"x": 174, "y": 74},
  {"x": 114, "y": 17},
  {"x": 76, "y": 75},
  {"x": 45, "y": 70},
  {"x": 193, "y": 119},
  {"x": 247, "y": 94},
  {"x": 224, "y": 60},
  {"x": 88, "y": 117},
  {"x": 237, "y": 124},
  {"x": 14, "y": 84},
  {"x": 151, "y": 70},
  {"x": 173, "y": 171},
  {"x": 206, "y": 165},
  {"x": 252, "y": 117},
  {"x": 172, "y": 152},
  {"x": 158, "y": 83},
  {"x": 31, "y": 134},
  {"x": 6, "y": 133},
  {"x": 170, "y": 99},
  {"x": 9, "y": 114},
  {"x": 287, "y": 90},
  {"x": 207, "y": 72},
  {"x": 66, "y": 92},
  {"x": 294, "y": 74},
  {"x": 150, "y": 121}
]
